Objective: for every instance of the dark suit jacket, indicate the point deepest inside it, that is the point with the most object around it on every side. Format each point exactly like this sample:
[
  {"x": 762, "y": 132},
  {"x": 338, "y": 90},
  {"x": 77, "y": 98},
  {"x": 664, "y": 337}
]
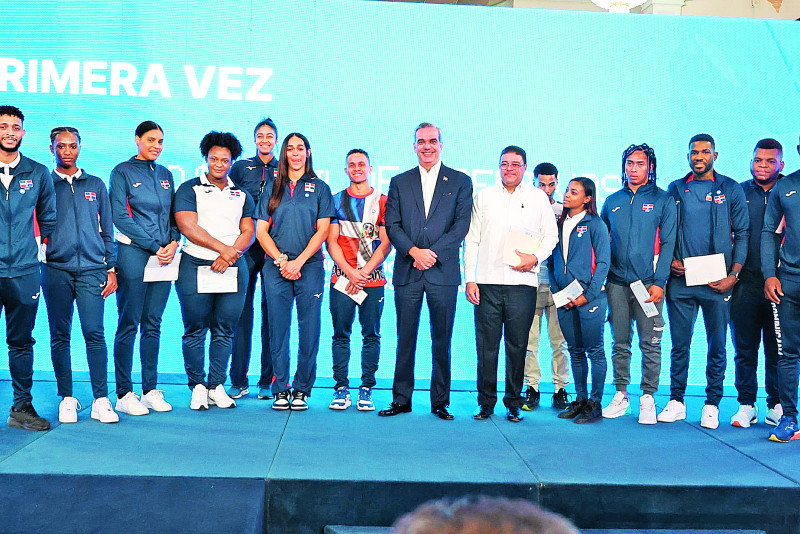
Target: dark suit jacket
[{"x": 442, "y": 231}]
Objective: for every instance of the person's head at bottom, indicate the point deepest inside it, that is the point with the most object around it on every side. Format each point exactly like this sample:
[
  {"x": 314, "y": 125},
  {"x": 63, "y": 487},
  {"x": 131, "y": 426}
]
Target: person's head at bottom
[{"x": 482, "y": 515}]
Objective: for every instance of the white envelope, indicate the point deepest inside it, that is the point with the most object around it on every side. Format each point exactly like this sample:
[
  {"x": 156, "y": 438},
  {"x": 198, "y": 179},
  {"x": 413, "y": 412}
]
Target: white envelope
[
  {"x": 701, "y": 270},
  {"x": 572, "y": 291},
  {"x": 641, "y": 294},
  {"x": 155, "y": 272},
  {"x": 209, "y": 281},
  {"x": 341, "y": 285},
  {"x": 516, "y": 240}
]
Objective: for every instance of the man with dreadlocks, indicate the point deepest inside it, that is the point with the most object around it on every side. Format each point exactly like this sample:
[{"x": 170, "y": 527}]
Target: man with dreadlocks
[
  {"x": 641, "y": 218},
  {"x": 711, "y": 209}
]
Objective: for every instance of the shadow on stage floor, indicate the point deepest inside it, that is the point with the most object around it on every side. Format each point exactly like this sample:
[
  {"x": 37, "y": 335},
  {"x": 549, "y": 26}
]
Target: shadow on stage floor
[{"x": 252, "y": 469}]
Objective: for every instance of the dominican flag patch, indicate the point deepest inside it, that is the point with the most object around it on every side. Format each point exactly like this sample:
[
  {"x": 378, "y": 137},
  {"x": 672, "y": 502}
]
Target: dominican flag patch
[
  {"x": 236, "y": 194},
  {"x": 26, "y": 184},
  {"x": 165, "y": 184},
  {"x": 91, "y": 196},
  {"x": 719, "y": 199},
  {"x": 647, "y": 208},
  {"x": 309, "y": 187},
  {"x": 582, "y": 229}
]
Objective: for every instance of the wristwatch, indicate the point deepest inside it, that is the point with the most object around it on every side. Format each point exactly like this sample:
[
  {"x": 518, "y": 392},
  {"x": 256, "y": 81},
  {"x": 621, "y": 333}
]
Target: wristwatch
[{"x": 279, "y": 259}]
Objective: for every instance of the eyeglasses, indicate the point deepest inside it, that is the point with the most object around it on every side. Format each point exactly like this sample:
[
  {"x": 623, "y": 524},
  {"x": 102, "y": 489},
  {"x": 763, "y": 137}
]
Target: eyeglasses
[{"x": 515, "y": 165}]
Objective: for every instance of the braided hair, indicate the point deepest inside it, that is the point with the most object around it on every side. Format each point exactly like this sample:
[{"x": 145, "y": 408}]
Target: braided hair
[{"x": 651, "y": 161}]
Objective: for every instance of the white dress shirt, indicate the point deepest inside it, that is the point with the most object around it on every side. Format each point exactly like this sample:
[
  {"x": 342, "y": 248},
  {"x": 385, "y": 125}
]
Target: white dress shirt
[
  {"x": 569, "y": 225},
  {"x": 68, "y": 177},
  {"x": 5, "y": 171},
  {"x": 428, "y": 179},
  {"x": 495, "y": 212}
]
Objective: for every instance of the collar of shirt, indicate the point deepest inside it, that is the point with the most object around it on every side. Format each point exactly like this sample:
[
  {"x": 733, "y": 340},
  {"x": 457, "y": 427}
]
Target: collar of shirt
[
  {"x": 6, "y": 167},
  {"x": 205, "y": 181},
  {"x": 68, "y": 177}
]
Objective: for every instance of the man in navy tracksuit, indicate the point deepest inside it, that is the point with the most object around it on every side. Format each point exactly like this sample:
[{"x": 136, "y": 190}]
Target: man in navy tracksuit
[
  {"x": 641, "y": 218},
  {"x": 711, "y": 209},
  {"x": 79, "y": 257},
  {"x": 751, "y": 313},
  {"x": 780, "y": 265},
  {"x": 28, "y": 202},
  {"x": 252, "y": 174}
]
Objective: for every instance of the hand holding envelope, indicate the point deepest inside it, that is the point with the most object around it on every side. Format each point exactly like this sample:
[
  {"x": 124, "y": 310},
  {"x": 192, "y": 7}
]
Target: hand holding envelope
[{"x": 518, "y": 252}]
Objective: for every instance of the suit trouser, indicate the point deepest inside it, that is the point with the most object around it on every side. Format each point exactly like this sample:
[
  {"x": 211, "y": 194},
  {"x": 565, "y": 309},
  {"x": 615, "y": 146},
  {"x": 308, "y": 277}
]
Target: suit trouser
[
  {"x": 504, "y": 311},
  {"x": 306, "y": 292},
  {"x": 343, "y": 311},
  {"x": 623, "y": 310},
  {"x": 243, "y": 337},
  {"x": 583, "y": 328},
  {"x": 441, "y": 302},
  {"x": 682, "y": 305},
  {"x": 533, "y": 373},
  {"x": 753, "y": 318},
  {"x": 204, "y": 312},
  {"x": 20, "y": 298},
  {"x": 140, "y": 306},
  {"x": 62, "y": 289},
  {"x": 788, "y": 335}
]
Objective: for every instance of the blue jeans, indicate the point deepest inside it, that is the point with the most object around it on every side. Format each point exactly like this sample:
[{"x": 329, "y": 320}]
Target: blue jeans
[
  {"x": 204, "y": 312},
  {"x": 20, "y": 298},
  {"x": 62, "y": 289},
  {"x": 243, "y": 337},
  {"x": 343, "y": 310},
  {"x": 682, "y": 305},
  {"x": 140, "y": 306},
  {"x": 788, "y": 335},
  {"x": 583, "y": 329},
  {"x": 281, "y": 293}
]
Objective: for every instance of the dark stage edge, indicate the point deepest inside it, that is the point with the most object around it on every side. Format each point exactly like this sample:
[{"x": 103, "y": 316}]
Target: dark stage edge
[{"x": 252, "y": 469}]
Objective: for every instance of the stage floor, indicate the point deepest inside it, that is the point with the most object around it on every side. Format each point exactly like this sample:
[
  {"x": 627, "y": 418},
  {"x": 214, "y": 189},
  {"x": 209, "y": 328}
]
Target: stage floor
[{"x": 252, "y": 469}]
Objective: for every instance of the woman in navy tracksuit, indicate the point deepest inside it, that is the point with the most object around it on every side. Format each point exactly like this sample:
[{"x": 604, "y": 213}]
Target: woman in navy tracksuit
[
  {"x": 79, "y": 267},
  {"x": 216, "y": 217},
  {"x": 141, "y": 203},
  {"x": 293, "y": 224},
  {"x": 583, "y": 253}
]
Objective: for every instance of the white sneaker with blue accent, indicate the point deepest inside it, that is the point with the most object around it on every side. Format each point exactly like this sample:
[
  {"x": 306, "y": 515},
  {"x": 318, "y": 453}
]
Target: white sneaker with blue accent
[
  {"x": 774, "y": 415},
  {"x": 341, "y": 399},
  {"x": 365, "y": 403}
]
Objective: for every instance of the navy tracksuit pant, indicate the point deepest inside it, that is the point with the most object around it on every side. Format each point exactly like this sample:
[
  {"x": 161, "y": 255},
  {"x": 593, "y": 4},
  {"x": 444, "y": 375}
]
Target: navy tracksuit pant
[
  {"x": 788, "y": 335},
  {"x": 281, "y": 293},
  {"x": 753, "y": 319},
  {"x": 62, "y": 289},
  {"x": 19, "y": 296},
  {"x": 343, "y": 311},
  {"x": 682, "y": 305},
  {"x": 140, "y": 306},
  {"x": 583, "y": 328},
  {"x": 243, "y": 337},
  {"x": 203, "y": 312}
]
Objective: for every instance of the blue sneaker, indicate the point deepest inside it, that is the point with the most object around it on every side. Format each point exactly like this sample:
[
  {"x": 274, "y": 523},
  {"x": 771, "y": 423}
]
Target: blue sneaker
[
  {"x": 264, "y": 393},
  {"x": 786, "y": 430},
  {"x": 237, "y": 393},
  {"x": 365, "y": 403},
  {"x": 341, "y": 399}
]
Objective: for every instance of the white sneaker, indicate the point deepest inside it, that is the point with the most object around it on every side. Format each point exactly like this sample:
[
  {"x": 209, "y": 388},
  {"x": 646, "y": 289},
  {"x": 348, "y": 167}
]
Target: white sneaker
[
  {"x": 218, "y": 397},
  {"x": 710, "y": 417},
  {"x": 647, "y": 410},
  {"x": 620, "y": 405},
  {"x": 155, "y": 401},
  {"x": 102, "y": 411},
  {"x": 746, "y": 416},
  {"x": 68, "y": 410},
  {"x": 199, "y": 398},
  {"x": 131, "y": 405},
  {"x": 674, "y": 411},
  {"x": 774, "y": 415}
]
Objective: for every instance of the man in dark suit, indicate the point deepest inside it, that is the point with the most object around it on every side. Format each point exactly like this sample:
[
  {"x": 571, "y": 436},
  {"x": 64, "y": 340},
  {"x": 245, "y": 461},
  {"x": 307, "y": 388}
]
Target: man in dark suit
[{"x": 427, "y": 216}]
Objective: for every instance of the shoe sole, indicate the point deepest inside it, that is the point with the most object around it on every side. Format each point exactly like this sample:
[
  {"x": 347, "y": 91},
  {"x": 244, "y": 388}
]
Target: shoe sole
[
  {"x": 267, "y": 397},
  {"x": 16, "y": 424},
  {"x": 97, "y": 418},
  {"x": 199, "y": 408},
  {"x": 737, "y": 424},
  {"x": 369, "y": 408},
  {"x": 212, "y": 403},
  {"x": 344, "y": 406},
  {"x": 240, "y": 395},
  {"x": 119, "y": 410},
  {"x": 160, "y": 410},
  {"x": 614, "y": 415},
  {"x": 67, "y": 422},
  {"x": 298, "y": 408},
  {"x": 652, "y": 422},
  {"x": 710, "y": 427},
  {"x": 280, "y": 408},
  {"x": 681, "y": 418},
  {"x": 776, "y": 439}
]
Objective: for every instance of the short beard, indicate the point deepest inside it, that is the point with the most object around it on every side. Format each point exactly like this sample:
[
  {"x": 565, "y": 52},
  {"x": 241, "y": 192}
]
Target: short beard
[{"x": 10, "y": 150}]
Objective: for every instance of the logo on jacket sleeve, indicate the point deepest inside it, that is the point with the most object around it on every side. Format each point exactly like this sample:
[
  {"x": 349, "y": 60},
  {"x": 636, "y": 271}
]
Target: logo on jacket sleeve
[
  {"x": 165, "y": 184},
  {"x": 309, "y": 188},
  {"x": 91, "y": 196},
  {"x": 26, "y": 184},
  {"x": 615, "y": 209},
  {"x": 582, "y": 229},
  {"x": 647, "y": 208}
]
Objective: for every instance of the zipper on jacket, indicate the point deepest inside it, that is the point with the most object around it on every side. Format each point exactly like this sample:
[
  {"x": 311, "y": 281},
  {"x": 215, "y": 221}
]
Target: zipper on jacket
[{"x": 77, "y": 228}]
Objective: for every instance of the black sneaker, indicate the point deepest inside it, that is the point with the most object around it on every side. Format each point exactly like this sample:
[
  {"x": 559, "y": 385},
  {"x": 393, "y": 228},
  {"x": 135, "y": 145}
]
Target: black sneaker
[
  {"x": 592, "y": 413},
  {"x": 27, "y": 418},
  {"x": 531, "y": 400},
  {"x": 574, "y": 409},
  {"x": 281, "y": 401},
  {"x": 299, "y": 401},
  {"x": 560, "y": 400}
]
